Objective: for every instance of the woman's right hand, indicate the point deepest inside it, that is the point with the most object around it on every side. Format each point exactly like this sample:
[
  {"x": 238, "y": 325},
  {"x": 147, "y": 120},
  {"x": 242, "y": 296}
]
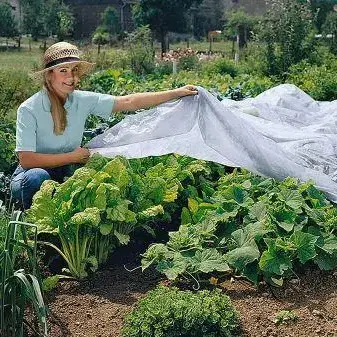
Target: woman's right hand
[{"x": 80, "y": 155}]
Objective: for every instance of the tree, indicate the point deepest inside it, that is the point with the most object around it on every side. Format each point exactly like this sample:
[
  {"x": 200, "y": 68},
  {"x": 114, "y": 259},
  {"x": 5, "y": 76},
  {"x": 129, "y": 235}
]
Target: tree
[
  {"x": 321, "y": 9},
  {"x": 8, "y": 25},
  {"x": 238, "y": 26},
  {"x": 208, "y": 17},
  {"x": 46, "y": 18},
  {"x": 330, "y": 28},
  {"x": 34, "y": 17},
  {"x": 109, "y": 27},
  {"x": 163, "y": 16},
  {"x": 110, "y": 21},
  {"x": 287, "y": 29},
  {"x": 100, "y": 37}
]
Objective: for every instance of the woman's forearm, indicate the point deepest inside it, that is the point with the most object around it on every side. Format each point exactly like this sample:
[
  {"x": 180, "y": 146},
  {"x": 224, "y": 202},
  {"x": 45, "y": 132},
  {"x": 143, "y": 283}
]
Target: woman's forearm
[
  {"x": 43, "y": 160},
  {"x": 143, "y": 100},
  {"x": 146, "y": 100}
]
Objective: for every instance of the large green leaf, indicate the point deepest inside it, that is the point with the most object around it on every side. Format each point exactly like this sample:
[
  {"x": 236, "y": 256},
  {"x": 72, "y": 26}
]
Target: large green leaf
[
  {"x": 325, "y": 261},
  {"x": 172, "y": 269},
  {"x": 258, "y": 229},
  {"x": 246, "y": 251},
  {"x": 106, "y": 228},
  {"x": 274, "y": 261},
  {"x": 292, "y": 198},
  {"x": 209, "y": 260},
  {"x": 258, "y": 211},
  {"x": 305, "y": 244},
  {"x": 330, "y": 244},
  {"x": 240, "y": 257},
  {"x": 152, "y": 211},
  {"x": 185, "y": 216}
]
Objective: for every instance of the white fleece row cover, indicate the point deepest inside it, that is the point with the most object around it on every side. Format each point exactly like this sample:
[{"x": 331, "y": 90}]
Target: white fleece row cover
[{"x": 282, "y": 132}]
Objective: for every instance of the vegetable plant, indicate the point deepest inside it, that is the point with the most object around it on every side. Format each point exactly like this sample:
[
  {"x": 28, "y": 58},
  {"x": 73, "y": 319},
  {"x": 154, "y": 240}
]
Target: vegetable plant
[
  {"x": 172, "y": 312},
  {"x": 18, "y": 288}
]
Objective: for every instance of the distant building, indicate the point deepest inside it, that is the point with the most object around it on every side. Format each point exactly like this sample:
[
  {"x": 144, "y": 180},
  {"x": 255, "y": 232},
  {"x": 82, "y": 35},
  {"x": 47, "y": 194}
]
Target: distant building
[{"x": 88, "y": 14}]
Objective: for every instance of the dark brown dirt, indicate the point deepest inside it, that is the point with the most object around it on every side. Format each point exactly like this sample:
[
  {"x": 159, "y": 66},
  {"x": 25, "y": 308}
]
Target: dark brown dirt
[{"x": 96, "y": 308}]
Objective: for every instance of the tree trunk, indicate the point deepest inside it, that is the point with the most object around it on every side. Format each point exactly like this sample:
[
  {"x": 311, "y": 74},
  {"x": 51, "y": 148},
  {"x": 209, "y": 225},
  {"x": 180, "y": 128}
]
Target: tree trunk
[
  {"x": 163, "y": 43},
  {"x": 241, "y": 36},
  {"x": 233, "y": 48}
]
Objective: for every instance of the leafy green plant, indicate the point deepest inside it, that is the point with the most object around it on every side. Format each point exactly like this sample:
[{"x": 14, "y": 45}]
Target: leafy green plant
[
  {"x": 7, "y": 146},
  {"x": 220, "y": 66},
  {"x": 171, "y": 312},
  {"x": 188, "y": 62},
  {"x": 251, "y": 225},
  {"x": 140, "y": 49},
  {"x": 98, "y": 208},
  {"x": 285, "y": 317},
  {"x": 287, "y": 32},
  {"x": 317, "y": 80},
  {"x": 19, "y": 288}
]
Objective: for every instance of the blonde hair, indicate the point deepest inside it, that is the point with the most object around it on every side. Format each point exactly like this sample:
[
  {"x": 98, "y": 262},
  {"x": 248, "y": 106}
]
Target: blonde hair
[{"x": 58, "y": 112}]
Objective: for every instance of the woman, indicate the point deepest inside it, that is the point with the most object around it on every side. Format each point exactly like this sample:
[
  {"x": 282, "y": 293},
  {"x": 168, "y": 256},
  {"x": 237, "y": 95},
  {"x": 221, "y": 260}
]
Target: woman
[{"x": 50, "y": 124}]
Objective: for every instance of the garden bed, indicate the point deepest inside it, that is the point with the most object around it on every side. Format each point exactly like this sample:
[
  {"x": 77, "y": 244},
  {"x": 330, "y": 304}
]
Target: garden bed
[{"x": 96, "y": 307}]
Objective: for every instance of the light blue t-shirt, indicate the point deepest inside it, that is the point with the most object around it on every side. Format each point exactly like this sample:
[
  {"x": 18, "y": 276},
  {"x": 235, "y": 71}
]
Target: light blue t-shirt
[{"x": 35, "y": 126}]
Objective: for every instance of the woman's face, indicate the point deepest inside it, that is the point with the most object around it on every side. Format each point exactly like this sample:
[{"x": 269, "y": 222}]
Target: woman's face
[{"x": 64, "y": 79}]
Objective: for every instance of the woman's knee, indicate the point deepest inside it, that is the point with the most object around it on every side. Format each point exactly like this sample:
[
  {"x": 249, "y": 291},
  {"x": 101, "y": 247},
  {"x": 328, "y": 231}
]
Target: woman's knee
[{"x": 34, "y": 178}]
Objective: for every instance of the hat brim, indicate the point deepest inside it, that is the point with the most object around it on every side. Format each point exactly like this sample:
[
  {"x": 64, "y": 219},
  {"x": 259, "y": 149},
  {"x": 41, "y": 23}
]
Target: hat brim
[{"x": 84, "y": 67}]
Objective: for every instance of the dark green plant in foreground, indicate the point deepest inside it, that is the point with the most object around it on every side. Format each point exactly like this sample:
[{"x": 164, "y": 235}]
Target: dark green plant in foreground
[
  {"x": 18, "y": 288},
  {"x": 169, "y": 312}
]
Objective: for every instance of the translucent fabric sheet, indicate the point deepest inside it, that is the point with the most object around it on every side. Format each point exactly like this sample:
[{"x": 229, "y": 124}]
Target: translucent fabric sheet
[{"x": 282, "y": 132}]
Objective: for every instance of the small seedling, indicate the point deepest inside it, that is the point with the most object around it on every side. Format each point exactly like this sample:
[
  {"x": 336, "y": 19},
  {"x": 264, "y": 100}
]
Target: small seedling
[{"x": 285, "y": 317}]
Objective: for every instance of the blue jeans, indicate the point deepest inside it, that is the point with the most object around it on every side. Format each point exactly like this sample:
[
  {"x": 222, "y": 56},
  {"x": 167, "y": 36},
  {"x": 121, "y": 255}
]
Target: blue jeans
[{"x": 26, "y": 182}]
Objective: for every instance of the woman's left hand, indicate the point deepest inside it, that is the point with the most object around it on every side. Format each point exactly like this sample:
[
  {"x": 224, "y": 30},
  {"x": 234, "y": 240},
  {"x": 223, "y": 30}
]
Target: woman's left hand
[{"x": 186, "y": 90}]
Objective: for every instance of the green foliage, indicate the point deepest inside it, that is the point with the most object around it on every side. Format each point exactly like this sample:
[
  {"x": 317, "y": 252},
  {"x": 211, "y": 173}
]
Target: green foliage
[
  {"x": 8, "y": 25},
  {"x": 190, "y": 62},
  {"x": 321, "y": 9},
  {"x": 285, "y": 317},
  {"x": 18, "y": 288},
  {"x": 110, "y": 21},
  {"x": 171, "y": 312},
  {"x": 3, "y": 224},
  {"x": 141, "y": 52},
  {"x": 163, "y": 16},
  {"x": 107, "y": 59},
  {"x": 220, "y": 66},
  {"x": 7, "y": 145},
  {"x": 319, "y": 81},
  {"x": 330, "y": 28},
  {"x": 287, "y": 31},
  {"x": 239, "y": 23},
  {"x": 99, "y": 207},
  {"x": 256, "y": 226},
  {"x": 50, "y": 283},
  {"x": 66, "y": 22},
  {"x": 45, "y": 18},
  {"x": 100, "y": 37}
]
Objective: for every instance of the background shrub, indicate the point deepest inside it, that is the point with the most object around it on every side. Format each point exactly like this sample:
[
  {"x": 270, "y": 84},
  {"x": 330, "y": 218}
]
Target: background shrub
[
  {"x": 320, "y": 82},
  {"x": 220, "y": 66},
  {"x": 189, "y": 62},
  {"x": 171, "y": 312},
  {"x": 15, "y": 87}
]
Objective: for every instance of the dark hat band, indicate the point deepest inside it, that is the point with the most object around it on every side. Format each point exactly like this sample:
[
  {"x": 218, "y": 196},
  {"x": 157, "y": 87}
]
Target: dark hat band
[{"x": 61, "y": 60}]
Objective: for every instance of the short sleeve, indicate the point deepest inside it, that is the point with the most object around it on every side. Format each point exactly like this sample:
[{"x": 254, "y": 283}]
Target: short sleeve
[
  {"x": 103, "y": 105},
  {"x": 25, "y": 130}
]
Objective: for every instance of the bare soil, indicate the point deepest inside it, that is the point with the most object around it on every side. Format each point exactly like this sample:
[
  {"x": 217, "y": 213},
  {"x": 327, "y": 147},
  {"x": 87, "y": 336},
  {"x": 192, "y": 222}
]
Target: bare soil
[{"x": 96, "y": 307}]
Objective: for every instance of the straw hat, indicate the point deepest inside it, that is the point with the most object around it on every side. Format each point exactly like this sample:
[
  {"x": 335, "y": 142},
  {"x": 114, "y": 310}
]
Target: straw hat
[{"x": 63, "y": 53}]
